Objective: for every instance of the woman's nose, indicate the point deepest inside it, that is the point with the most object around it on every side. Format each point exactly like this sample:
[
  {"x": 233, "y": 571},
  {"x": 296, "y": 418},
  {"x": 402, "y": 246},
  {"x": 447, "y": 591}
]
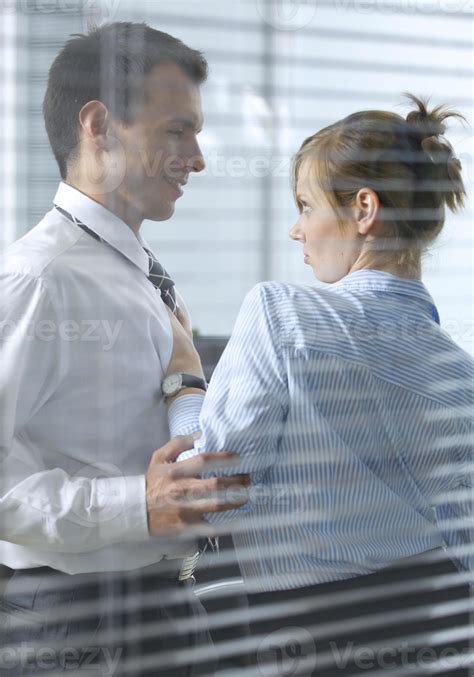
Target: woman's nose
[{"x": 296, "y": 232}]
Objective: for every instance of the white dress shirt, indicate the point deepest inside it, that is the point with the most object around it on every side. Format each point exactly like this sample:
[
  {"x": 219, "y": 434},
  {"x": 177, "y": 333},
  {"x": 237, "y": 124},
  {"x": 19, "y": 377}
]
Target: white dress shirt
[{"x": 85, "y": 340}]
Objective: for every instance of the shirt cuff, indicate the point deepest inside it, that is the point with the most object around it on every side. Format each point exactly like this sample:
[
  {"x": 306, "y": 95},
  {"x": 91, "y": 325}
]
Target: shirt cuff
[
  {"x": 121, "y": 508},
  {"x": 183, "y": 414}
]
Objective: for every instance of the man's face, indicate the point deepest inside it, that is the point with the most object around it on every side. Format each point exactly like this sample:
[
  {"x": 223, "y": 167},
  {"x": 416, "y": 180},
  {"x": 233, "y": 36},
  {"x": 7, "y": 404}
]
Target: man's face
[{"x": 161, "y": 147}]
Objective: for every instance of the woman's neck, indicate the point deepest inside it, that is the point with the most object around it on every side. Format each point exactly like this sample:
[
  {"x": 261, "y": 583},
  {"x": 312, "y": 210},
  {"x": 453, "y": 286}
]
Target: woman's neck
[{"x": 406, "y": 265}]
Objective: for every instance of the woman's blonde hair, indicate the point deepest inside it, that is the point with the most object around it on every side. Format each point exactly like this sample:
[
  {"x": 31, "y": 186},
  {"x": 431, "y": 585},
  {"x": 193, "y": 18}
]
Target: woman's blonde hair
[{"x": 406, "y": 161}]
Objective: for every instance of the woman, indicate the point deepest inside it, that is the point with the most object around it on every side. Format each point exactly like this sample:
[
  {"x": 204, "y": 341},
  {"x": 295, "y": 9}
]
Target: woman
[{"x": 352, "y": 411}]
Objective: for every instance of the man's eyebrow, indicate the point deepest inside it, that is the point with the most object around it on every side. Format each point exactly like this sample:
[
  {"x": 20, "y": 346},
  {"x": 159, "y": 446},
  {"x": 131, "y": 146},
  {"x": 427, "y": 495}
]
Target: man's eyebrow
[{"x": 191, "y": 123}]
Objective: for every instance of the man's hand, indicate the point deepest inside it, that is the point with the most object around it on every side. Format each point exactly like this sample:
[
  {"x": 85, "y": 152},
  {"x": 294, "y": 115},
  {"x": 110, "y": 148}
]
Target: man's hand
[{"x": 177, "y": 498}]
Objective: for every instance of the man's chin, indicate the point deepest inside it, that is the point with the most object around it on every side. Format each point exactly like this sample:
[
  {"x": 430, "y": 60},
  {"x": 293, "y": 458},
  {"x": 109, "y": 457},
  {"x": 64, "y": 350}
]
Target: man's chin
[{"x": 161, "y": 213}]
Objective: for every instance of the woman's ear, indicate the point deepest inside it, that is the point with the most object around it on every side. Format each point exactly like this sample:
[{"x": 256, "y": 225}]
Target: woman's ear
[{"x": 367, "y": 207}]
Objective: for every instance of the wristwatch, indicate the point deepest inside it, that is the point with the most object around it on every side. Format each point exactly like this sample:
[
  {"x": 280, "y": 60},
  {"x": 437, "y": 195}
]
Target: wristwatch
[{"x": 173, "y": 383}]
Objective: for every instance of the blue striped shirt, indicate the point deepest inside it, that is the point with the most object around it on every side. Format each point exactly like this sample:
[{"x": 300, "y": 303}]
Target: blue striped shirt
[{"x": 352, "y": 411}]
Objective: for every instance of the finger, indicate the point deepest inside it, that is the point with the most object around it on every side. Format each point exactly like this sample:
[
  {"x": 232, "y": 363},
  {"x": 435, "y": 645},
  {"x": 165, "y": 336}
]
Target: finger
[
  {"x": 196, "y": 497},
  {"x": 215, "y": 484},
  {"x": 176, "y": 324},
  {"x": 178, "y": 321},
  {"x": 192, "y": 467},
  {"x": 172, "y": 449},
  {"x": 216, "y": 505},
  {"x": 194, "y": 526},
  {"x": 183, "y": 320},
  {"x": 201, "y": 528}
]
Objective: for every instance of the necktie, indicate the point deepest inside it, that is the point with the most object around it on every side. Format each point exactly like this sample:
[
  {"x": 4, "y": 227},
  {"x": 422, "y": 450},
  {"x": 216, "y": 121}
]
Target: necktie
[
  {"x": 163, "y": 282},
  {"x": 157, "y": 275}
]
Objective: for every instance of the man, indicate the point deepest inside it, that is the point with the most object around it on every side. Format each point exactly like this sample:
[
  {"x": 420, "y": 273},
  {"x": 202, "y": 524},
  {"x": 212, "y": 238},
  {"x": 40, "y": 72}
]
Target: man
[{"x": 93, "y": 543}]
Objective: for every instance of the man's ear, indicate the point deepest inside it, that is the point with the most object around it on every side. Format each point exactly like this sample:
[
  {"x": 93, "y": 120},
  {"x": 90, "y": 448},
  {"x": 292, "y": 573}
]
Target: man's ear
[
  {"x": 366, "y": 207},
  {"x": 94, "y": 120}
]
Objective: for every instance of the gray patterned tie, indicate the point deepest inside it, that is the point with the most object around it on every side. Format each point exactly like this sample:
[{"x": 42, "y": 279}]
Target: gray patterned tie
[{"x": 162, "y": 281}]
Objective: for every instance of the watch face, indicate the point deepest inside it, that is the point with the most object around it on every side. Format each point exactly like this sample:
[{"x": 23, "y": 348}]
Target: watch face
[{"x": 172, "y": 384}]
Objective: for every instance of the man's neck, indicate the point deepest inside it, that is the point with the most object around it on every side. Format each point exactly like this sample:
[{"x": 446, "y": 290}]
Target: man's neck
[{"x": 113, "y": 202}]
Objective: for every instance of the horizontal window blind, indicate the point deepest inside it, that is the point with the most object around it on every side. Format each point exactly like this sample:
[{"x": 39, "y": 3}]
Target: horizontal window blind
[
  {"x": 279, "y": 72},
  {"x": 272, "y": 84}
]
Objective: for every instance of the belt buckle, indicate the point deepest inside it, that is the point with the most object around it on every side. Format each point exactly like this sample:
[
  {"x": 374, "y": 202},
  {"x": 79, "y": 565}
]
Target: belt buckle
[
  {"x": 188, "y": 567},
  {"x": 190, "y": 563}
]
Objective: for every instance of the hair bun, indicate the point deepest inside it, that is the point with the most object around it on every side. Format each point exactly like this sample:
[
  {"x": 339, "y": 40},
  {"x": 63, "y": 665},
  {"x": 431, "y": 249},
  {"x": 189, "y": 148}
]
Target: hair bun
[
  {"x": 429, "y": 127},
  {"x": 439, "y": 150},
  {"x": 424, "y": 124}
]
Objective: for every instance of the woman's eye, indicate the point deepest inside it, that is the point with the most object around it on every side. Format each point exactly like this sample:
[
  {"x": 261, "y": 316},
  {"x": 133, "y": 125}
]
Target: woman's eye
[{"x": 306, "y": 209}]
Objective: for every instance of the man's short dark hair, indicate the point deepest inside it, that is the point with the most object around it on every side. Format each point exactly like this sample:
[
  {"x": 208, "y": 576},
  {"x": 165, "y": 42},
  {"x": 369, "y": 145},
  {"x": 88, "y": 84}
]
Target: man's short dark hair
[{"x": 108, "y": 64}]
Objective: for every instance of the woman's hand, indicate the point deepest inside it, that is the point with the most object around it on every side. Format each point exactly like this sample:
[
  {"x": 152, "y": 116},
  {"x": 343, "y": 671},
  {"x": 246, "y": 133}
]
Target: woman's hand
[
  {"x": 184, "y": 358},
  {"x": 184, "y": 321}
]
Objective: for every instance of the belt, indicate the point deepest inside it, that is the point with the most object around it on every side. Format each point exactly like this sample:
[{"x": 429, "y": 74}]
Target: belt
[{"x": 170, "y": 571}]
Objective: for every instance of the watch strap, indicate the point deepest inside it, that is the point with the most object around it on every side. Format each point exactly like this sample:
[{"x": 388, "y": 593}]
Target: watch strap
[{"x": 189, "y": 381}]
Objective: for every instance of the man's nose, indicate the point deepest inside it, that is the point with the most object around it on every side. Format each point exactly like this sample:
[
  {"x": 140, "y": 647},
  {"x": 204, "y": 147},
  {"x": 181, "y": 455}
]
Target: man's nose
[{"x": 196, "y": 162}]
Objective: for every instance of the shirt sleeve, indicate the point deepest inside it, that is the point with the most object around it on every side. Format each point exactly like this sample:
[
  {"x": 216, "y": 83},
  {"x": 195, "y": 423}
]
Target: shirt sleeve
[
  {"x": 246, "y": 405},
  {"x": 41, "y": 507},
  {"x": 183, "y": 414}
]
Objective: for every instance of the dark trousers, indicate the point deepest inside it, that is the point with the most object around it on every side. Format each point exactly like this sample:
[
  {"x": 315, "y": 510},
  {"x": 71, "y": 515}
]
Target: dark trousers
[
  {"x": 401, "y": 620},
  {"x": 138, "y": 623}
]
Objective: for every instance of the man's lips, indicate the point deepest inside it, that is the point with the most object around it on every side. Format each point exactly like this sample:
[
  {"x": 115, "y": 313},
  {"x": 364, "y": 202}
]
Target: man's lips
[{"x": 177, "y": 184}]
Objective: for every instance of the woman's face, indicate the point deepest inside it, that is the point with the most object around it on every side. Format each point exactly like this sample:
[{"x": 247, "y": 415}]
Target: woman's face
[{"x": 330, "y": 249}]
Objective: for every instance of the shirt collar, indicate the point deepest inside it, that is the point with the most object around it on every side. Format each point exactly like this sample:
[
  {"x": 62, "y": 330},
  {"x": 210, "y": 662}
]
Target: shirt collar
[
  {"x": 103, "y": 222},
  {"x": 381, "y": 281}
]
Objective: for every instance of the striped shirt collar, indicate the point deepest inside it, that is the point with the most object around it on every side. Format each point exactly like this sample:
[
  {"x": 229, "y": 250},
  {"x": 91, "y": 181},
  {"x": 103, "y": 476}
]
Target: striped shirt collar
[
  {"x": 381, "y": 281},
  {"x": 106, "y": 224}
]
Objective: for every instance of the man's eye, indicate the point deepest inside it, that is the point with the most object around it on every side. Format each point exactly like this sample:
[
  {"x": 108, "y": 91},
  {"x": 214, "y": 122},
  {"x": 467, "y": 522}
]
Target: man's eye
[{"x": 176, "y": 132}]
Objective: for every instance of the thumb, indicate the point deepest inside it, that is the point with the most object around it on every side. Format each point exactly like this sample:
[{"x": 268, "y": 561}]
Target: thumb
[{"x": 184, "y": 322}]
